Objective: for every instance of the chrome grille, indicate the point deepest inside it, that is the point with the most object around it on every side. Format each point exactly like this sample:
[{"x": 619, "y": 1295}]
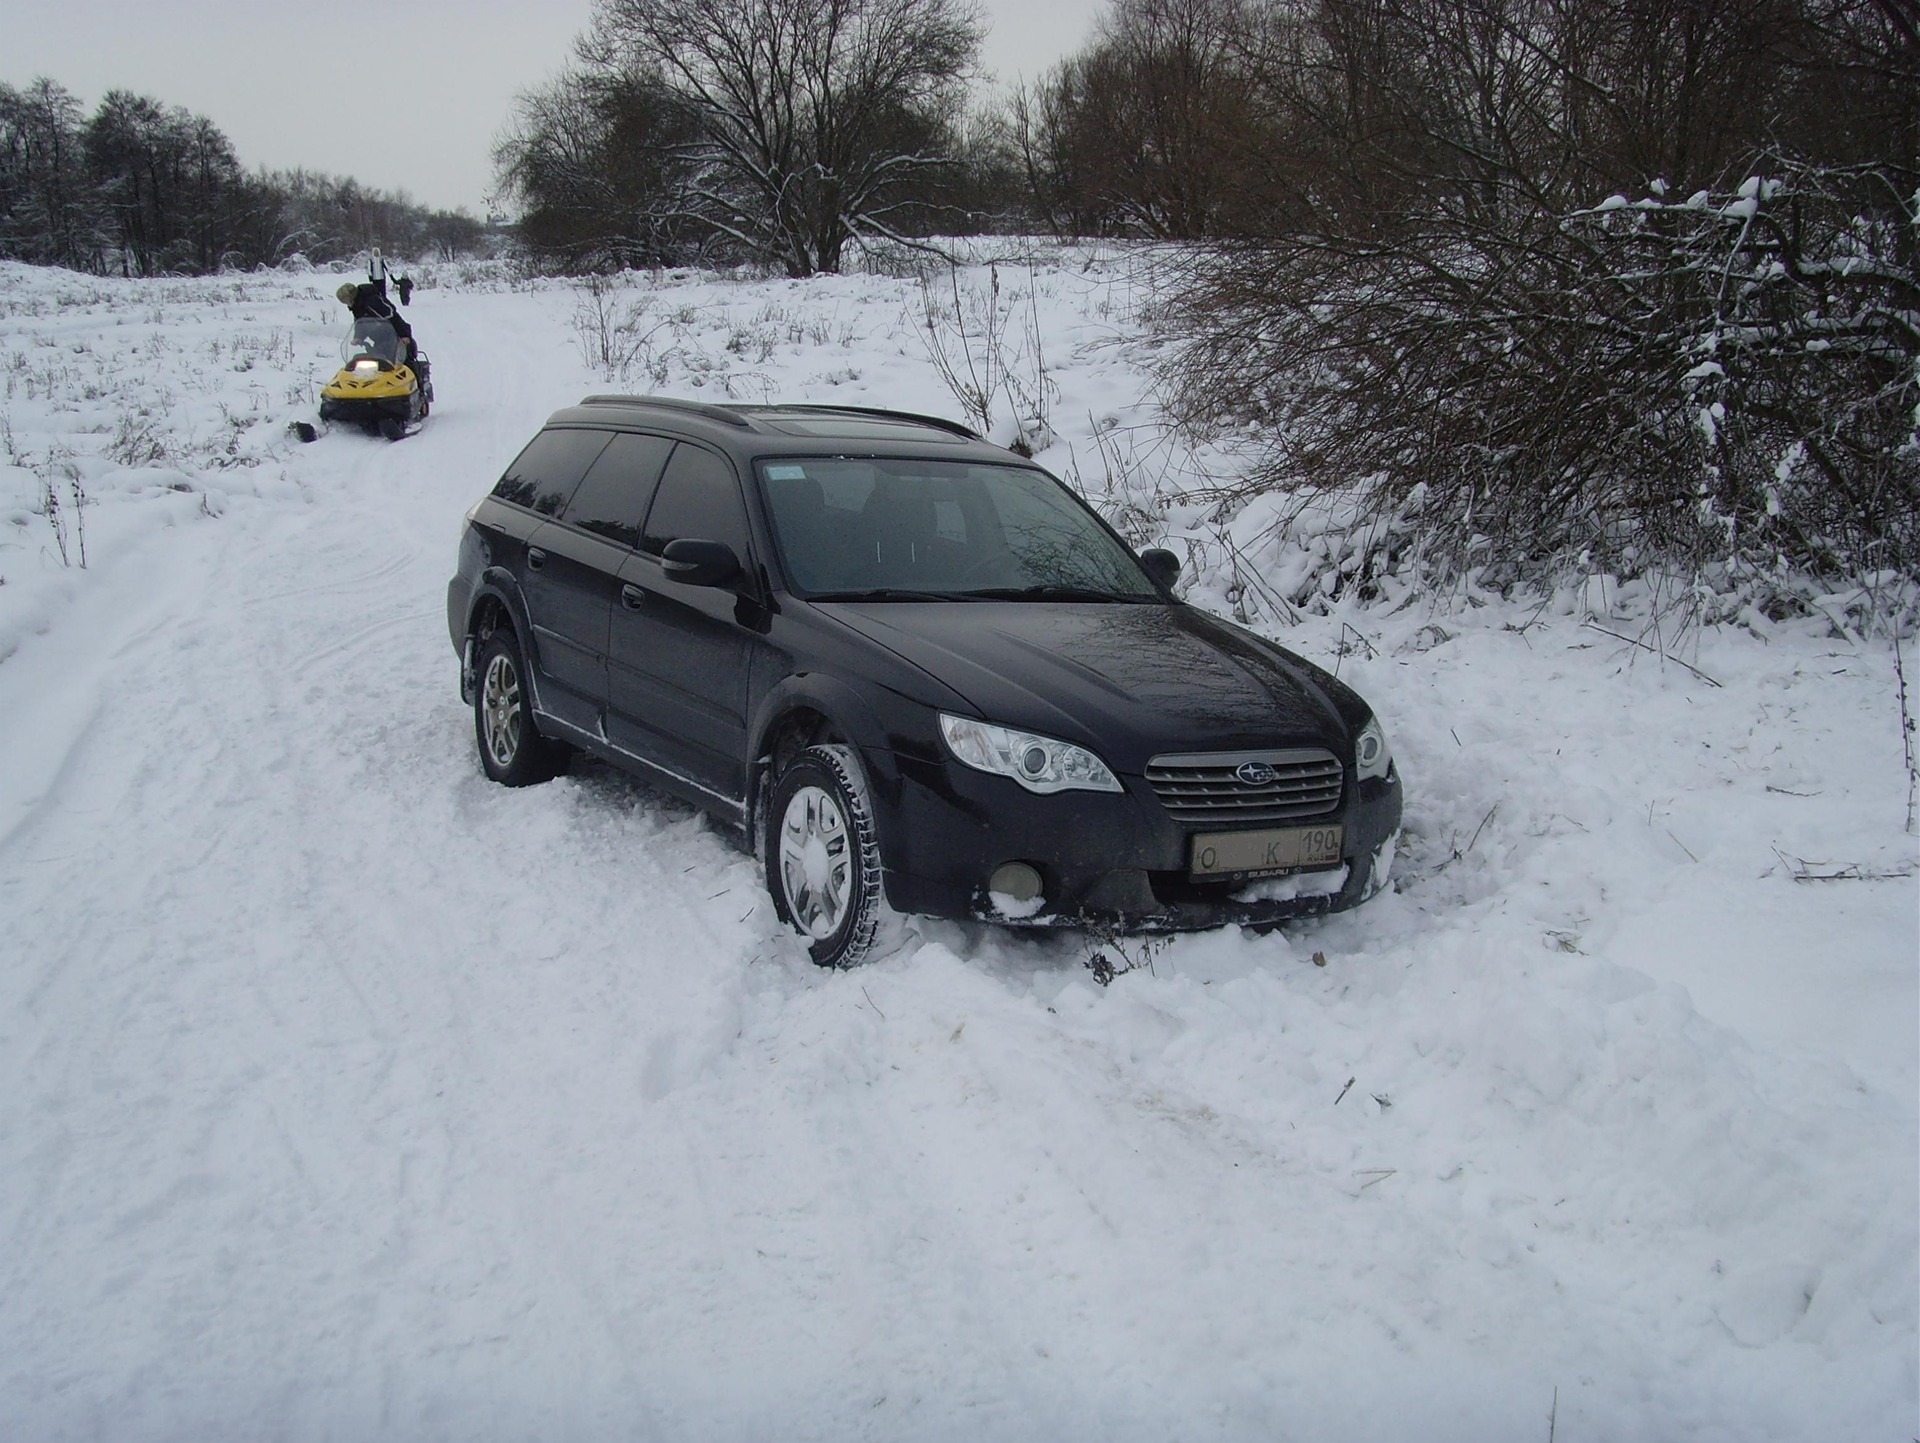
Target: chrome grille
[{"x": 1204, "y": 788}]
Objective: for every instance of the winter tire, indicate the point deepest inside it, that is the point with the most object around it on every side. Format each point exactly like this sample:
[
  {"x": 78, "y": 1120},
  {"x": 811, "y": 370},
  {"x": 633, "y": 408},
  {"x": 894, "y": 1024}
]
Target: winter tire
[
  {"x": 823, "y": 860},
  {"x": 512, "y": 751}
]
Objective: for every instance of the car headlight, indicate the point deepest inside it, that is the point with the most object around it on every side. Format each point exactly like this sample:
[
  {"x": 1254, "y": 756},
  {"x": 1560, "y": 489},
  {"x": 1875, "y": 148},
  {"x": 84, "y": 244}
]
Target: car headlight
[
  {"x": 1040, "y": 764},
  {"x": 1371, "y": 755}
]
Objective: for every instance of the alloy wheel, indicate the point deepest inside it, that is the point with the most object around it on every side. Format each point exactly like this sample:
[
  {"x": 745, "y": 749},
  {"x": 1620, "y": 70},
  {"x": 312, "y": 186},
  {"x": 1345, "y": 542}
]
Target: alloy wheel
[{"x": 500, "y": 710}]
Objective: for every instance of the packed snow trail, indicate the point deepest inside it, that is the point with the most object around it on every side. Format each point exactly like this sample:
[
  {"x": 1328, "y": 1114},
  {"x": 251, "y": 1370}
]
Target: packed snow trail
[{"x": 344, "y": 1095}]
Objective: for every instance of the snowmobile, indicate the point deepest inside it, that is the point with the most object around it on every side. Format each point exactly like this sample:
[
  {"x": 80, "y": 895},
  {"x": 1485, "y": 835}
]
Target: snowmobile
[{"x": 376, "y": 388}]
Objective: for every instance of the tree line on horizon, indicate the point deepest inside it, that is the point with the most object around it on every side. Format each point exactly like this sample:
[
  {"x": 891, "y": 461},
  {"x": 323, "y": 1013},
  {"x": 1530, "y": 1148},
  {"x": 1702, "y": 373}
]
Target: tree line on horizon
[{"x": 142, "y": 188}]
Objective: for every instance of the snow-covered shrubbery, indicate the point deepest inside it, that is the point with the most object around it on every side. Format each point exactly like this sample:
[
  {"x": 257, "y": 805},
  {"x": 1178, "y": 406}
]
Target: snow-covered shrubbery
[
  {"x": 1716, "y": 396},
  {"x": 316, "y": 1046}
]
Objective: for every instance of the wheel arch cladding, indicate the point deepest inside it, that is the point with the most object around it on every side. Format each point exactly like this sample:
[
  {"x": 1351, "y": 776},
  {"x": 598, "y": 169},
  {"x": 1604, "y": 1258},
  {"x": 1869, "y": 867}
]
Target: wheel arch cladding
[{"x": 813, "y": 710}]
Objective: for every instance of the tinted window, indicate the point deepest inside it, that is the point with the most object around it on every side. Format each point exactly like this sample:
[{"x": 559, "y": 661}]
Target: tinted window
[
  {"x": 698, "y": 499},
  {"x": 543, "y": 476},
  {"x": 845, "y": 525},
  {"x": 612, "y": 500}
]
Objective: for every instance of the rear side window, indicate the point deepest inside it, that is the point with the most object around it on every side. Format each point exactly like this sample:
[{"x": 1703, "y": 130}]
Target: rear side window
[
  {"x": 544, "y": 475},
  {"x": 613, "y": 499},
  {"x": 698, "y": 499}
]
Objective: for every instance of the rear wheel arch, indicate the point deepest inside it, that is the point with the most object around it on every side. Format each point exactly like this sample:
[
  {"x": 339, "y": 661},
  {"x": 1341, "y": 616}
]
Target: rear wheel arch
[
  {"x": 495, "y": 606},
  {"x": 497, "y": 602},
  {"x": 487, "y": 615}
]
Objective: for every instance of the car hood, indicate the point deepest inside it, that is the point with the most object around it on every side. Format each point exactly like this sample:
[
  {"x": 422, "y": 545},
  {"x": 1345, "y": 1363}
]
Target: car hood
[{"x": 1130, "y": 681}]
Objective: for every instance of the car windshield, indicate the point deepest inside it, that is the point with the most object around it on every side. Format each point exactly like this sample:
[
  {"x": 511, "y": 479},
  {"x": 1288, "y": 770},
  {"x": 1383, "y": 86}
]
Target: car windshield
[
  {"x": 886, "y": 529},
  {"x": 375, "y": 338}
]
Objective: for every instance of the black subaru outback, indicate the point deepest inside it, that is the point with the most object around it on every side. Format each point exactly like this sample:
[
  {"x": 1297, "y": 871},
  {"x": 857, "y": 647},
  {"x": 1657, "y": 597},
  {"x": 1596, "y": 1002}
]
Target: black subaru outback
[{"x": 909, "y": 665}]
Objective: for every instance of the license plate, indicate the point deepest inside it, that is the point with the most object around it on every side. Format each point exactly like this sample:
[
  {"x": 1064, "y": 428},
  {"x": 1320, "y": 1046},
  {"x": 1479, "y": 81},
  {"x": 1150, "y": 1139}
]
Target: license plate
[{"x": 1286, "y": 849}]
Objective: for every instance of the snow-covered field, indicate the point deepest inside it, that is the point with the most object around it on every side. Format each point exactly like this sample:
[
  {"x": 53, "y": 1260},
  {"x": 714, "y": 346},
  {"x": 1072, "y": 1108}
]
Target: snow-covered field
[{"x": 344, "y": 1096}]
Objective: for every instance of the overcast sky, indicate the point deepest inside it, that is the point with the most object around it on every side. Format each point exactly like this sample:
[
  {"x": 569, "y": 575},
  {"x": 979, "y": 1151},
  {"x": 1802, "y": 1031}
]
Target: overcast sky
[{"x": 404, "y": 95}]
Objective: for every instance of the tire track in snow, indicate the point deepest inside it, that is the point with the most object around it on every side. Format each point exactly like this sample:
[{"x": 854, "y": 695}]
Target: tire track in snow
[
  {"x": 332, "y": 897},
  {"x": 54, "y": 687}
]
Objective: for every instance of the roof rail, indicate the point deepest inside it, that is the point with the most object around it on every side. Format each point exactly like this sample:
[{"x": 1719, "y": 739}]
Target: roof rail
[
  {"x": 940, "y": 423},
  {"x": 723, "y": 414}
]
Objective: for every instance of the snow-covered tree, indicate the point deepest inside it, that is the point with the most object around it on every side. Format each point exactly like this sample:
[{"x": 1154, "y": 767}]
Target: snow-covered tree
[{"x": 815, "y": 123}]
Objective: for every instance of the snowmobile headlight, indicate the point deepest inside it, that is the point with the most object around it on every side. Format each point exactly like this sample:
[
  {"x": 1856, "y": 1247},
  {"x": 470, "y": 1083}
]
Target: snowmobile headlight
[
  {"x": 1040, "y": 764},
  {"x": 366, "y": 365}
]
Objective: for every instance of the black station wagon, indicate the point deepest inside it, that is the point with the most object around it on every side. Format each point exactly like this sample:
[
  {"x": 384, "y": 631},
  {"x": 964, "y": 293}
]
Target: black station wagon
[{"x": 907, "y": 666}]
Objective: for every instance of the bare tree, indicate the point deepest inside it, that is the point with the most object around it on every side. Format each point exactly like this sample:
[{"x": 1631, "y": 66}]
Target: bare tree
[
  {"x": 45, "y": 210},
  {"x": 1161, "y": 126},
  {"x": 597, "y": 162},
  {"x": 815, "y": 121}
]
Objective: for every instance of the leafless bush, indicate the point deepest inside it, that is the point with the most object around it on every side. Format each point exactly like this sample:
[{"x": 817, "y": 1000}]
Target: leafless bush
[
  {"x": 1140, "y": 475},
  {"x": 991, "y": 367},
  {"x": 56, "y": 518},
  {"x": 1727, "y": 381},
  {"x": 616, "y": 334},
  {"x": 77, "y": 492},
  {"x": 57, "y": 474},
  {"x": 139, "y": 439}
]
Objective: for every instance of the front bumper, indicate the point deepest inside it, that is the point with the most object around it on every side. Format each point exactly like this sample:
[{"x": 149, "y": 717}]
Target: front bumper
[
  {"x": 1113, "y": 859},
  {"x": 368, "y": 412}
]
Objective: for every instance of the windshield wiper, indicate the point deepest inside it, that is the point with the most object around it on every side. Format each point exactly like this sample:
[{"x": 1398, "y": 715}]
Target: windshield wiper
[
  {"x": 892, "y": 593},
  {"x": 1053, "y": 593}
]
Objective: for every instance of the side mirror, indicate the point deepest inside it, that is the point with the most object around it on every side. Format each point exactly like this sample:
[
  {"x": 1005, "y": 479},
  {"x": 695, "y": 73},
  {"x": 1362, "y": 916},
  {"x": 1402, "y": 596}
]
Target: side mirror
[
  {"x": 700, "y": 563},
  {"x": 1161, "y": 565}
]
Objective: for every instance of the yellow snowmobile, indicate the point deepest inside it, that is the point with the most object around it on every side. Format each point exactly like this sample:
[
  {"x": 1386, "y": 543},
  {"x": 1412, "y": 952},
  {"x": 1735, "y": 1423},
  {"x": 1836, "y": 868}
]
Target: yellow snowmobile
[
  {"x": 375, "y": 388},
  {"x": 383, "y": 385}
]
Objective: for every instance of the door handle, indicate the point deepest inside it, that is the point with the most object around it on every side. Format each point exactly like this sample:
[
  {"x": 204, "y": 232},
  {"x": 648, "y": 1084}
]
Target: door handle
[
  {"x": 632, "y": 597},
  {"x": 536, "y": 558}
]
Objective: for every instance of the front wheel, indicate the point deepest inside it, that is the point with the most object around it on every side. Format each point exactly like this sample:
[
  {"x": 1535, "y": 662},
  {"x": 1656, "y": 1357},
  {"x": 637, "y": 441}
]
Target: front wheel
[
  {"x": 512, "y": 751},
  {"x": 823, "y": 859}
]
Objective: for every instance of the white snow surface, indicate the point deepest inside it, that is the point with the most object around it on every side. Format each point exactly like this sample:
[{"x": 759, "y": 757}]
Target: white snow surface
[{"x": 344, "y": 1095}]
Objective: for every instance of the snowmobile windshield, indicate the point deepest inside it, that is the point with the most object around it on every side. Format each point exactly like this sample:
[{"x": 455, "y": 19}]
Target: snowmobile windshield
[{"x": 374, "y": 340}]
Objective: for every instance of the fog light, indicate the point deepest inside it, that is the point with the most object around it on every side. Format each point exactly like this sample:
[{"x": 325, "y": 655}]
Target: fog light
[{"x": 1016, "y": 880}]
